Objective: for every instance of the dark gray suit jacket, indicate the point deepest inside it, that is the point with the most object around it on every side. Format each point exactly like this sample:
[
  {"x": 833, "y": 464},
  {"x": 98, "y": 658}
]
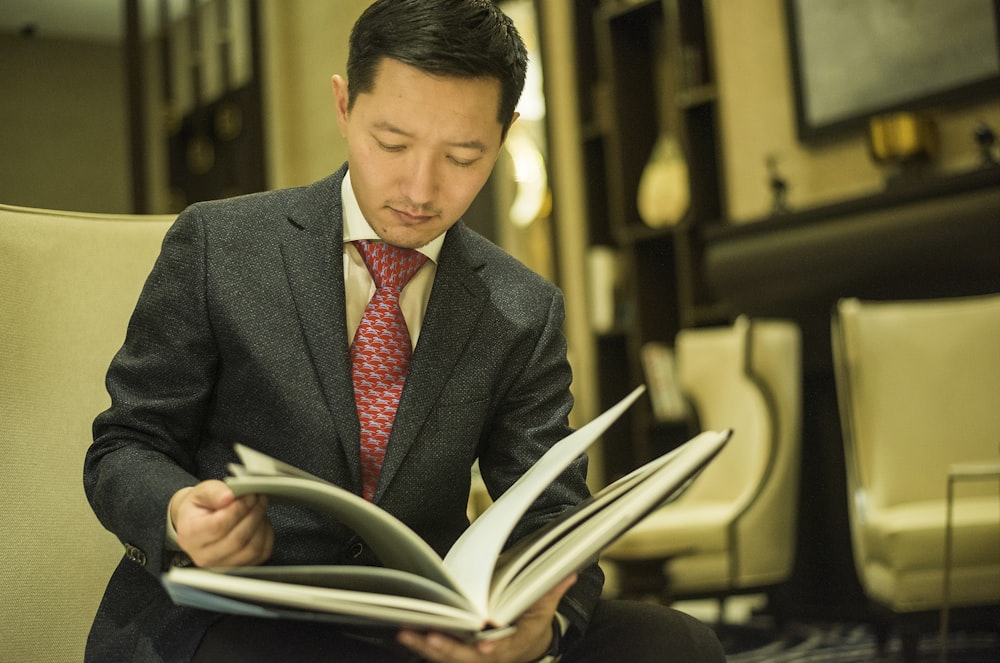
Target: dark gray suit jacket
[{"x": 240, "y": 336}]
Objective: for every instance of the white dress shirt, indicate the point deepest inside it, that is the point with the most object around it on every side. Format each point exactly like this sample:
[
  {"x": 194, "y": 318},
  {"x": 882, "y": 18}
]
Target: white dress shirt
[{"x": 358, "y": 284}]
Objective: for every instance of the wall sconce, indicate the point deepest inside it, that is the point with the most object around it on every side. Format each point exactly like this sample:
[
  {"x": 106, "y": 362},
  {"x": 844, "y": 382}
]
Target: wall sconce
[{"x": 902, "y": 142}]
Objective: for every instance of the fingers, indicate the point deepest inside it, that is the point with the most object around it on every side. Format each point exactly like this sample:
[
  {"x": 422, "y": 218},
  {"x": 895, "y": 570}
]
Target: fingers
[
  {"x": 548, "y": 603},
  {"x": 528, "y": 641},
  {"x": 555, "y": 594},
  {"x": 440, "y": 648},
  {"x": 215, "y": 528},
  {"x": 545, "y": 607},
  {"x": 212, "y": 495},
  {"x": 246, "y": 536}
]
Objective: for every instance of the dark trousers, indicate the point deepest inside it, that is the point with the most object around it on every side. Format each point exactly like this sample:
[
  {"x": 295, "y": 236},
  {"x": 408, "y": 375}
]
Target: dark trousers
[{"x": 619, "y": 631}]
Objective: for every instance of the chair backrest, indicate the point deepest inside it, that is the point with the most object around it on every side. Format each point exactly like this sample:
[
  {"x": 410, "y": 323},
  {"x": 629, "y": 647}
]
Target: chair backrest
[
  {"x": 919, "y": 388},
  {"x": 748, "y": 377},
  {"x": 68, "y": 283}
]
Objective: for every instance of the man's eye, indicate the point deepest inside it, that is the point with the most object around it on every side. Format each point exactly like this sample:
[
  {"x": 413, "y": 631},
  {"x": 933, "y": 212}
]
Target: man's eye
[
  {"x": 464, "y": 163},
  {"x": 390, "y": 148}
]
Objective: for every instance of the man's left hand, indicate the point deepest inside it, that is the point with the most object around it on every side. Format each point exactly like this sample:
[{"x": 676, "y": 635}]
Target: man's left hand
[{"x": 528, "y": 642}]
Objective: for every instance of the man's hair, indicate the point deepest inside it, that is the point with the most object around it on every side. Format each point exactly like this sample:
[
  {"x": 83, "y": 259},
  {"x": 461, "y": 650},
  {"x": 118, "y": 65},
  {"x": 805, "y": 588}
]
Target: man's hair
[{"x": 455, "y": 38}]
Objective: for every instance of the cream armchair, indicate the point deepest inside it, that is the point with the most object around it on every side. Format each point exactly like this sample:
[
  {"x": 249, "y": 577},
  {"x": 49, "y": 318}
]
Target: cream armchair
[
  {"x": 918, "y": 386},
  {"x": 734, "y": 531},
  {"x": 68, "y": 283}
]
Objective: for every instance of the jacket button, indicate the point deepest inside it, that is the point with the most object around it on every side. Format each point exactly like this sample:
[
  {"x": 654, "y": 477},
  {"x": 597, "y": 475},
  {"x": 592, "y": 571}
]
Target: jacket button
[
  {"x": 181, "y": 560},
  {"x": 135, "y": 554}
]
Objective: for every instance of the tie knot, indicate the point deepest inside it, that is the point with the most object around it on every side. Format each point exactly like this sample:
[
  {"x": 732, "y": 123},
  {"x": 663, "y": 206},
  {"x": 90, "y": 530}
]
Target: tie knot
[{"x": 390, "y": 266}]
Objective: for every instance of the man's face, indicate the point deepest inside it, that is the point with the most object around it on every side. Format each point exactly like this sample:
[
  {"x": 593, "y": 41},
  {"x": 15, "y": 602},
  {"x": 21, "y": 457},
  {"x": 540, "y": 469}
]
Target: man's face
[{"x": 420, "y": 148}]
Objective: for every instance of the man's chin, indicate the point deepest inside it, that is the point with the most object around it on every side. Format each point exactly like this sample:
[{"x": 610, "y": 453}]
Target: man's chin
[{"x": 409, "y": 237}]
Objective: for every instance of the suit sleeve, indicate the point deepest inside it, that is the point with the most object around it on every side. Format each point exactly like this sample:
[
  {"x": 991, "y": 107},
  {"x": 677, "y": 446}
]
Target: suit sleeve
[
  {"x": 160, "y": 383},
  {"x": 532, "y": 416}
]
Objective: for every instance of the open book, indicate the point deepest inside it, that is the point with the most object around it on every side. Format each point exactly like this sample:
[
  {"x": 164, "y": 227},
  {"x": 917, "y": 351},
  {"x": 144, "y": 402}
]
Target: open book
[{"x": 478, "y": 587}]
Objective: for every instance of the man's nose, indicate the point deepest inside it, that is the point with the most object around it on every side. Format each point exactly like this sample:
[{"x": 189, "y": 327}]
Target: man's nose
[{"x": 420, "y": 181}]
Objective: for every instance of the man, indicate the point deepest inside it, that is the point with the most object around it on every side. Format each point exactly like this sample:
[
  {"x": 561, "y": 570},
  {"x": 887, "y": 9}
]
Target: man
[{"x": 249, "y": 330}]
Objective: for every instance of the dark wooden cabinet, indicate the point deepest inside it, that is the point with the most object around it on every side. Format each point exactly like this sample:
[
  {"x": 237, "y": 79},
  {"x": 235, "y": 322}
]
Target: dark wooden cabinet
[
  {"x": 645, "y": 70},
  {"x": 923, "y": 239}
]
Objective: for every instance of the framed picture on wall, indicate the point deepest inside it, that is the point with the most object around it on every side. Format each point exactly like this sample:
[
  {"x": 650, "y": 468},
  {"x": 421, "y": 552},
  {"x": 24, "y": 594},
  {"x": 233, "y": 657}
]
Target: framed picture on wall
[{"x": 852, "y": 59}]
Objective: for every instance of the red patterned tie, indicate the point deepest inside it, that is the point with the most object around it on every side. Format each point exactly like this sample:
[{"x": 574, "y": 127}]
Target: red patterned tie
[{"x": 380, "y": 354}]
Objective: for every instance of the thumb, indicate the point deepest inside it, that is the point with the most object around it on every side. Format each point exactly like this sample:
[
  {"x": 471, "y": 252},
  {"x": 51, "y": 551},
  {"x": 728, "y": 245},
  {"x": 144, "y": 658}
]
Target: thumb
[
  {"x": 212, "y": 495},
  {"x": 551, "y": 599},
  {"x": 557, "y": 592}
]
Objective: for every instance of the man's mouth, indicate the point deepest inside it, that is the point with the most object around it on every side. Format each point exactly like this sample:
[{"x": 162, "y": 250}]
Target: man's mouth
[{"x": 412, "y": 215}]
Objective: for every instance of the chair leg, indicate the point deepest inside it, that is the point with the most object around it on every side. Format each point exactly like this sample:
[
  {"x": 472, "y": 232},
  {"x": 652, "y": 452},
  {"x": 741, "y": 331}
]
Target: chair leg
[
  {"x": 722, "y": 612},
  {"x": 642, "y": 579},
  {"x": 778, "y": 607},
  {"x": 882, "y": 632},
  {"x": 910, "y": 639}
]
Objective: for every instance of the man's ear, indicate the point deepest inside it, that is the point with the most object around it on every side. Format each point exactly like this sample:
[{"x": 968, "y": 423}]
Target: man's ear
[
  {"x": 506, "y": 131},
  {"x": 340, "y": 98}
]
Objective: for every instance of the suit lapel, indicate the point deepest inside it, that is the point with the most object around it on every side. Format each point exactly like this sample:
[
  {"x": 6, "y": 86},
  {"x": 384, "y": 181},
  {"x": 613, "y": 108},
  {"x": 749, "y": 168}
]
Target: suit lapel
[
  {"x": 312, "y": 256},
  {"x": 455, "y": 305},
  {"x": 314, "y": 268}
]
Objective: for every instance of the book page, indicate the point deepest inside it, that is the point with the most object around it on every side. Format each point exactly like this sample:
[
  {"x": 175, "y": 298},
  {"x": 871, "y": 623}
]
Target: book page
[
  {"x": 516, "y": 557},
  {"x": 395, "y": 544},
  {"x": 342, "y": 605},
  {"x": 581, "y": 545},
  {"x": 375, "y": 579},
  {"x": 472, "y": 558},
  {"x": 191, "y": 596}
]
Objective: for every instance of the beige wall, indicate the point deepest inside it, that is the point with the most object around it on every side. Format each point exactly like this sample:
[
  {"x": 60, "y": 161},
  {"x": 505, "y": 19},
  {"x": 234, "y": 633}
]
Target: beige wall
[
  {"x": 305, "y": 44},
  {"x": 565, "y": 148},
  {"x": 758, "y": 119},
  {"x": 63, "y": 128}
]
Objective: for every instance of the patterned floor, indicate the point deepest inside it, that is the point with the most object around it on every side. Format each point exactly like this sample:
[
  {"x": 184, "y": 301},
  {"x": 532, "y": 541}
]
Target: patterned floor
[
  {"x": 749, "y": 638},
  {"x": 851, "y": 643}
]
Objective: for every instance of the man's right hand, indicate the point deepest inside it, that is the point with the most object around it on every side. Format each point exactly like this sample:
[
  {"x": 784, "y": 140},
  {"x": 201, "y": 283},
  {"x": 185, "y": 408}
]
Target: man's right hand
[{"x": 216, "y": 528}]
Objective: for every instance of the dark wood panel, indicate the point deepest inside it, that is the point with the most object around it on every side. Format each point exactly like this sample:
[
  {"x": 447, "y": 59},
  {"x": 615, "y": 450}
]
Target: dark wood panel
[{"x": 938, "y": 238}]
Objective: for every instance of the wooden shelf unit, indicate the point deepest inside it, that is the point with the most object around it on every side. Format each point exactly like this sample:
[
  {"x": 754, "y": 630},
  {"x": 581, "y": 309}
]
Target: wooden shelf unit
[{"x": 645, "y": 68}]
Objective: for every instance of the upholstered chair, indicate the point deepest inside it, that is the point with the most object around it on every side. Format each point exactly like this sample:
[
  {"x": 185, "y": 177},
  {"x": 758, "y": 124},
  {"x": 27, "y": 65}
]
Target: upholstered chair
[
  {"x": 68, "y": 283},
  {"x": 918, "y": 386},
  {"x": 734, "y": 530}
]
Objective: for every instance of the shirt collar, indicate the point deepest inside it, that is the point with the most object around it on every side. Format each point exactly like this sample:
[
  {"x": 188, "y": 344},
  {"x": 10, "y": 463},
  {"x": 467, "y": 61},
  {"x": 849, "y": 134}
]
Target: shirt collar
[{"x": 356, "y": 226}]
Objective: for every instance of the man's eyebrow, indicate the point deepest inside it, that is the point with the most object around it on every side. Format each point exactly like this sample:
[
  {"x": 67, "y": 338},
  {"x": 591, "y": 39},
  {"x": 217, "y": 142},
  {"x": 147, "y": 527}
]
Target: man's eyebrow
[
  {"x": 391, "y": 128},
  {"x": 467, "y": 144},
  {"x": 470, "y": 144}
]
